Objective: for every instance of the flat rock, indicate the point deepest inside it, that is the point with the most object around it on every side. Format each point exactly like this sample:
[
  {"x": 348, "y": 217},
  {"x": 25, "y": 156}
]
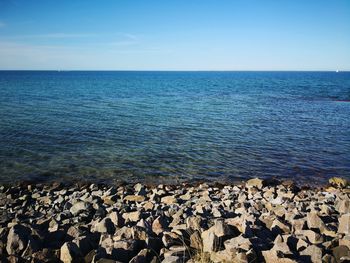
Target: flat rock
[
  {"x": 168, "y": 200},
  {"x": 344, "y": 224}
]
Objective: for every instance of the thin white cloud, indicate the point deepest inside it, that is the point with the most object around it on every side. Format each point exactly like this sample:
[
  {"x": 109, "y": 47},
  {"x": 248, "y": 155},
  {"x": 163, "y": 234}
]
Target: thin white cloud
[{"x": 51, "y": 36}]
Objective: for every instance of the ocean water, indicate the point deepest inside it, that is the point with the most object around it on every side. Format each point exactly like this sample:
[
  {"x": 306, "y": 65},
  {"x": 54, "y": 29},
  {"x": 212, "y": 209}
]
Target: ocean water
[{"x": 143, "y": 126}]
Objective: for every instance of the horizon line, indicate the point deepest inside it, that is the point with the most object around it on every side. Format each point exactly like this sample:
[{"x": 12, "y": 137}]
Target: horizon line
[{"x": 180, "y": 70}]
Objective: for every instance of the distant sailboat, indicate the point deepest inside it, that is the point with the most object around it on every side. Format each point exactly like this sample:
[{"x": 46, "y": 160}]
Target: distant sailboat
[{"x": 337, "y": 71}]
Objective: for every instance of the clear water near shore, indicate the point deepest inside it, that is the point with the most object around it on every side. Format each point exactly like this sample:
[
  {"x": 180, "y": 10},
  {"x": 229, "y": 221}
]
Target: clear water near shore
[{"x": 103, "y": 126}]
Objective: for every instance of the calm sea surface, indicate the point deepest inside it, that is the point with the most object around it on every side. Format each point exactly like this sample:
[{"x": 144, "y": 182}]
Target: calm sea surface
[{"x": 105, "y": 126}]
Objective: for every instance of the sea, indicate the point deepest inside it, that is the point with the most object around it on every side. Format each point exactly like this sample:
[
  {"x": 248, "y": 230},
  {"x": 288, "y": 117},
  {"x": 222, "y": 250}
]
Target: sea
[{"x": 134, "y": 126}]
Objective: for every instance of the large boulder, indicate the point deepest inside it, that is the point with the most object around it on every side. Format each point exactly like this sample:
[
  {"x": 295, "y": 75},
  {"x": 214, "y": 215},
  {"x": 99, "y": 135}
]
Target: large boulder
[{"x": 17, "y": 239}]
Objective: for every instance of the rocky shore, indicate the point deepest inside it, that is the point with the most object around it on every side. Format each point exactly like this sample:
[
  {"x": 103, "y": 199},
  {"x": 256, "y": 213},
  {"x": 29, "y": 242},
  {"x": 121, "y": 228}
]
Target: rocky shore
[{"x": 255, "y": 221}]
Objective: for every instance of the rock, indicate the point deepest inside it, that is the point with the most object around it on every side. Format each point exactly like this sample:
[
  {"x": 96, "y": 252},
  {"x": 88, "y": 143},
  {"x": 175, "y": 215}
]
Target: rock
[
  {"x": 70, "y": 253},
  {"x": 272, "y": 256},
  {"x": 338, "y": 182},
  {"x": 341, "y": 252},
  {"x": 343, "y": 206},
  {"x": 222, "y": 256},
  {"x": 159, "y": 225},
  {"x": 141, "y": 257},
  {"x": 256, "y": 182},
  {"x": 116, "y": 219},
  {"x": 85, "y": 243},
  {"x": 210, "y": 241},
  {"x": 314, "y": 221},
  {"x": 79, "y": 207},
  {"x": 168, "y": 200},
  {"x": 221, "y": 229},
  {"x": 17, "y": 239},
  {"x": 148, "y": 206},
  {"x": 140, "y": 189},
  {"x": 185, "y": 197},
  {"x": 194, "y": 222},
  {"x": 45, "y": 255},
  {"x": 134, "y": 198},
  {"x": 196, "y": 240},
  {"x": 314, "y": 252},
  {"x": 281, "y": 246},
  {"x": 280, "y": 227},
  {"x": 312, "y": 236},
  {"x": 236, "y": 243},
  {"x": 301, "y": 244},
  {"x": 132, "y": 216},
  {"x": 124, "y": 250},
  {"x": 104, "y": 226},
  {"x": 345, "y": 241},
  {"x": 171, "y": 239},
  {"x": 172, "y": 259},
  {"x": 344, "y": 224}
]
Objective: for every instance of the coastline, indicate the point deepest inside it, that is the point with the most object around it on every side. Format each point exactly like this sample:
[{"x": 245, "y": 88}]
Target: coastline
[{"x": 253, "y": 221}]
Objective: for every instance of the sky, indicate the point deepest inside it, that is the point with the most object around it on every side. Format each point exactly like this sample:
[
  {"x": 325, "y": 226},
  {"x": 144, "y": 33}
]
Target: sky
[{"x": 175, "y": 35}]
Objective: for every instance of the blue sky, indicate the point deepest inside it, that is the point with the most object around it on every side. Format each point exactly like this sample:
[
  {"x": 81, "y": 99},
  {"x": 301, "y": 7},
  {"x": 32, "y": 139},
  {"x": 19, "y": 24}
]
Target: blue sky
[{"x": 175, "y": 35}]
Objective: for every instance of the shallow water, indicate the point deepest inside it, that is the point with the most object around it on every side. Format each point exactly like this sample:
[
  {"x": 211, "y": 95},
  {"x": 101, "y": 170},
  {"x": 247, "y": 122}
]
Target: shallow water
[{"x": 106, "y": 126}]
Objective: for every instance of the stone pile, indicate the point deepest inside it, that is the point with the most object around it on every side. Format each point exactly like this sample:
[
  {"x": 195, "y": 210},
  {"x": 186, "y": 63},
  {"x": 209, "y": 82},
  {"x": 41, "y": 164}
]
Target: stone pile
[{"x": 256, "y": 221}]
